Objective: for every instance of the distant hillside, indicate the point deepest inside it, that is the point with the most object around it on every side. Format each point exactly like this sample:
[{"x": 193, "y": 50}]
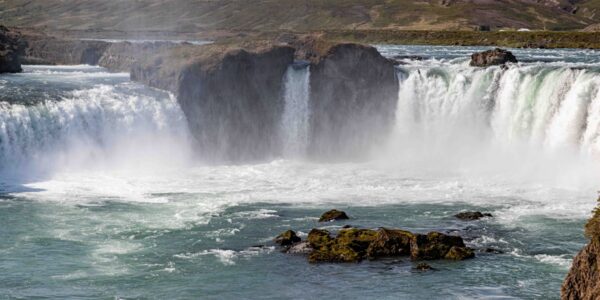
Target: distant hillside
[{"x": 211, "y": 15}]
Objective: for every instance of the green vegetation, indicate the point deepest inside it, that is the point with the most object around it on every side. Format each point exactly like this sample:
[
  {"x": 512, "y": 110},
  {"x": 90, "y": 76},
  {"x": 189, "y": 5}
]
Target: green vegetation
[
  {"x": 194, "y": 16},
  {"x": 531, "y": 39}
]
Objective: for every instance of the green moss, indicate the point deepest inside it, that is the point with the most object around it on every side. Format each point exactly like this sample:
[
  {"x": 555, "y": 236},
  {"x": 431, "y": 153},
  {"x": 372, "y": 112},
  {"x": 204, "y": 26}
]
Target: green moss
[
  {"x": 531, "y": 39},
  {"x": 459, "y": 253},
  {"x": 592, "y": 227}
]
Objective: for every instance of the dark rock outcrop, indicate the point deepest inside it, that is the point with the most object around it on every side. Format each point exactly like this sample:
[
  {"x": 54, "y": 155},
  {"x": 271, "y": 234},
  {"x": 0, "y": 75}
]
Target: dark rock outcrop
[
  {"x": 350, "y": 245},
  {"x": 435, "y": 245},
  {"x": 390, "y": 242},
  {"x": 472, "y": 215},
  {"x": 353, "y": 95},
  {"x": 233, "y": 105},
  {"x": 12, "y": 48},
  {"x": 287, "y": 238},
  {"x": 54, "y": 51},
  {"x": 333, "y": 215},
  {"x": 492, "y": 57},
  {"x": 583, "y": 280},
  {"x": 354, "y": 245}
]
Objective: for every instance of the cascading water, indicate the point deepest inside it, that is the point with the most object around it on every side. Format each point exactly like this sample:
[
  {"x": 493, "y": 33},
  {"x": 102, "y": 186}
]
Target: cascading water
[
  {"x": 120, "y": 123},
  {"x": 296, "y": 114},
  {"x": 549, "y": 108}
]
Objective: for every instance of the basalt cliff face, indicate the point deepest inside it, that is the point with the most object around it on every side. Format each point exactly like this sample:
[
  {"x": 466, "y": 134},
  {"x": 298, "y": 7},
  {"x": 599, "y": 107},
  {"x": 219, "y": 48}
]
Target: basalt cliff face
[
  {"x": 11, "y": 49},
  {"x": 583, "y": 280},
  {"x": 353, "y": 94},
  {"x": 232, "y": 93},
  {"x": 231, "y": 97}
]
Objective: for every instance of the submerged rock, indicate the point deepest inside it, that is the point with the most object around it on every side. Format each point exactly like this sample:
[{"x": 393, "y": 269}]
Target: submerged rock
[
  {"x": 472, "y": 215},
  {"x": 492, "y": 57},
  {"x": 287, "y": 238},
  {"x": 491, "y": 250},
  {"x": 11, "y": 50},
  {"x": 423, "y": 267},
  {"x": 333, "y": 215}
]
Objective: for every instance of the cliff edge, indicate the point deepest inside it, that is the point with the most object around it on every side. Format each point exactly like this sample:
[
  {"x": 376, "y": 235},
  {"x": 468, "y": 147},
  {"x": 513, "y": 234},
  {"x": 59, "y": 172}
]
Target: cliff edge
[
  {"x": 583, "y": 280},
  {"x": 12, "y": 47}
]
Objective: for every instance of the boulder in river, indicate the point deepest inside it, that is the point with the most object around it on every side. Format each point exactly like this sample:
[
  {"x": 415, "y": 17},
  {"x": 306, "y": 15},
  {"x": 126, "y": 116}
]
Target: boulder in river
[
  {"x": 436, "y": 245},
  {"x": 354, "y": 245},
  {"x": 492, "y": 57},
  {"x": 333, "y": 215},
  {"x": 472, "y": 215},
  {"x": 287, "y": 238},
  {"x": 390, "y": 242},
  {"x": 350, "y": 245}
]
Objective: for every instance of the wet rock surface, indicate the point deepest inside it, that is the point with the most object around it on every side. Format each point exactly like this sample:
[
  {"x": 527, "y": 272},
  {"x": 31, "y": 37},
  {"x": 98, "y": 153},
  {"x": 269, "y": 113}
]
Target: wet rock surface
[
  {"x": 287, "y": 238},
  {"x": 472, "y": 215},
  {"x": 12, "y": 48},
  {"x": 492, "y": 57},
  {"x": 333, "y": 215},
  {"x": 583, "y": 280}
]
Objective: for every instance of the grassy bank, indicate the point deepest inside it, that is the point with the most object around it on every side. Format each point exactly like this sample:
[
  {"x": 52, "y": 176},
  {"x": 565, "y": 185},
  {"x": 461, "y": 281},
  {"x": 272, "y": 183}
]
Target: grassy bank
[{"x": 531, "y": 39}]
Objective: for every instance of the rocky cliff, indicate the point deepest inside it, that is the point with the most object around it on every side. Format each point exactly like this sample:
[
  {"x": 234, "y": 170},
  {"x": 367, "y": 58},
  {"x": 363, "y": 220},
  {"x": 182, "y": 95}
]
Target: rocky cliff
[
  {"x": 583, "y": 280},
  {"x": 230, "y": 96},
  {"x": 353, "y": 94},
  {"x": 11, "y": 49}
]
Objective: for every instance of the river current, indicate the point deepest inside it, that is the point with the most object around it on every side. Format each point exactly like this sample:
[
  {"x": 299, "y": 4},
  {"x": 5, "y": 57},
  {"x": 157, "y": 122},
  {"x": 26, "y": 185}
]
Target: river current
[{"x": 102, "y": 195}]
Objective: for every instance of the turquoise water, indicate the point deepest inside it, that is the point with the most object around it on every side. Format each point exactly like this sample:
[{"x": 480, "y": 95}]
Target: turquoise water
[{"x": 102, "y": 198}]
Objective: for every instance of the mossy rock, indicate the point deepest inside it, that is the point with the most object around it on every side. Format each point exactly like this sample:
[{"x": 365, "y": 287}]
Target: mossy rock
[
  {"x": 459, "y": 253},
  {"x": 287, "y": 238},
  {"x": 318, "y": 238},
  {"x": 592, "y": 227},
  {"x": 350, "y": 245},
  {"x": 434, "y": 245},
  {"x": 333, "y": 215},
  {"x": 390, "y": 242}
]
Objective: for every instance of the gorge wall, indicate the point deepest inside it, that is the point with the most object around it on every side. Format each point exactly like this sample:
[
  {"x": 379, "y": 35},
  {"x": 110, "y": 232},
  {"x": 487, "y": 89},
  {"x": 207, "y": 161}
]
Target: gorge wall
[
  {"x": 12, "y": 48},
  {"x": 232, "y": 94},
  {"x": 583, "y": 280}
]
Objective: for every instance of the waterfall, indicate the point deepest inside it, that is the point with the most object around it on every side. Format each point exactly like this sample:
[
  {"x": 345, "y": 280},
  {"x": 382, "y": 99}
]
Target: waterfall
[
  {"x": 106, "y": 125},
  {"x": 456, "y": 108},
  {"x": 295, "y": 118}
]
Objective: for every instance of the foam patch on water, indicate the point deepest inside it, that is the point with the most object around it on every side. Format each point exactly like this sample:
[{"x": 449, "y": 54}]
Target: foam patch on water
[
  {"x": 563, "y": 261},
  {"x": 227, "y": 257}
]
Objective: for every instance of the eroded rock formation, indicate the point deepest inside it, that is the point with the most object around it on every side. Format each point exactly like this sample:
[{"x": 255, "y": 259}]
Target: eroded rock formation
[
  {"x": 583, "y": 280},
  {"x": 353, "y": 94},
  {"x": 11, "y": 49}
]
